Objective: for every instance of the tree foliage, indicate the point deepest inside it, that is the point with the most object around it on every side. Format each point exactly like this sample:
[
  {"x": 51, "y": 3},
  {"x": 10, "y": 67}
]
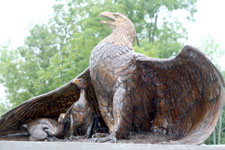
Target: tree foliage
[{"x": 56, "y": 52}]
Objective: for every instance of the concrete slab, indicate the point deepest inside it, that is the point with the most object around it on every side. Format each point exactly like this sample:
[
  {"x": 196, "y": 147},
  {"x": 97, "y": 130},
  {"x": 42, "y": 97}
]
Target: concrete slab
[{"x": 12, "y": 145}]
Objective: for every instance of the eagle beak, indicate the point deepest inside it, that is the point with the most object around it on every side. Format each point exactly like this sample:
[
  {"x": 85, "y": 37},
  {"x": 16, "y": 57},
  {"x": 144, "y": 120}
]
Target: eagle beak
[
  {"x": 62, "y": 115},
  {"x": 107, "y": 15},
  {"x": 76, "y": 81}
]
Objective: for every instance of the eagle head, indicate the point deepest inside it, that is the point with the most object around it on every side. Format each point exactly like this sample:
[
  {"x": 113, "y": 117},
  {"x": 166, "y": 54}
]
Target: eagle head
[{"x": 120, "y": 24}]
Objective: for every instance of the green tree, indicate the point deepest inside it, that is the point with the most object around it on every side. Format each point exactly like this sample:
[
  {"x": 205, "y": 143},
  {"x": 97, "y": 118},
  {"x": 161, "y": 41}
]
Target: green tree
[
  {"x": 146, "y": 16},
  {"x": 54, "y": 53},
  {"x": 214, "y": 51},
  {"x": 3, "y": 108}
]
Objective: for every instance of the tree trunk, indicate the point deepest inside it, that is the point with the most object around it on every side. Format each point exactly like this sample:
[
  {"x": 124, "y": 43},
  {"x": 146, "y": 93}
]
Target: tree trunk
[
  {"x": 214, "y": 137},
  {"x": 155, "y": 27},
  {"x": 149, "y": 31},
  {"x": 219, "y": 130},
  {"x": 138, "y": 43}
]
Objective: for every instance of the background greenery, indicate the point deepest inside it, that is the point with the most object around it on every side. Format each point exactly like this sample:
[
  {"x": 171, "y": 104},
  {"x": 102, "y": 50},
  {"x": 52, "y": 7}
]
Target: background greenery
[{"x": 56, "y": 52}]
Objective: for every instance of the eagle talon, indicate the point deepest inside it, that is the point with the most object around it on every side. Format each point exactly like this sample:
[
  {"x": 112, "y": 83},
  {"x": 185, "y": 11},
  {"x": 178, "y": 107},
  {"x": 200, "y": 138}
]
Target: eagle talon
[
  {"x": 110, "y": 139},
  {"x": 176, "y": 93},
  {"x": 100, "y": 135},
  {"x": 72, "y": 137},
  {"x": 51, "y": 139}
]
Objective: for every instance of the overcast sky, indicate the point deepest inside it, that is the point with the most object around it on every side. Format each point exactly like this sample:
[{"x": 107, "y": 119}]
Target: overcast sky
[{"x": 18, "y": 16}]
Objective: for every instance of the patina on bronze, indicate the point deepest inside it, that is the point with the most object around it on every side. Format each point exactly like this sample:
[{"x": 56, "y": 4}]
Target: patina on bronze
[
  {"x": 178, "y": 99},
  {"x": 45, "y": 129},
  {"x": 81, "y": 118}
]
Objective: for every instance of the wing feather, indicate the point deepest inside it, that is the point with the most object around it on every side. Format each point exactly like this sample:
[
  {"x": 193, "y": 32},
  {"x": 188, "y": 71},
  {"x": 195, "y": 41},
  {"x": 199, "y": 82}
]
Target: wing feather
[
  {"x": 186, "y": 92},
  {"x": 48, "y": 105}
]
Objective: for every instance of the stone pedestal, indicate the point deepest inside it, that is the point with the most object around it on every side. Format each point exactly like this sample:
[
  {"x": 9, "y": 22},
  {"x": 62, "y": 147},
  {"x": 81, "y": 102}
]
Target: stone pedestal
[{"x": 12, "y": 145}]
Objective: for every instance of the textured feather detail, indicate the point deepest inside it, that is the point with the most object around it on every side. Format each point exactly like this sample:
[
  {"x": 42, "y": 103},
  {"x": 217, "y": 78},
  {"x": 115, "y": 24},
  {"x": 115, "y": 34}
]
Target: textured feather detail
[
  {"x": 48, "y": 105},
  {"x": 186, "y": 91}
]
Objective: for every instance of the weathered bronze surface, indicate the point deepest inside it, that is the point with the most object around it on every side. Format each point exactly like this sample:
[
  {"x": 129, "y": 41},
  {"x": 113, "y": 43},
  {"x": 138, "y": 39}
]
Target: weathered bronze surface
[
  {"x": 49, "y": 105},
  {"x": 178, "y": 99},
  {"x": 81, "y": 118},
  {"x": 44, "y": 129}
]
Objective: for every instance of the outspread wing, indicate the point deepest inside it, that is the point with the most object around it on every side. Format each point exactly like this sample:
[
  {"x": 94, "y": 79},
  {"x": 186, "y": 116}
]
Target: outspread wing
[
  {"x": 48, "y": 105},
  {"x": 186, "y": 93}
]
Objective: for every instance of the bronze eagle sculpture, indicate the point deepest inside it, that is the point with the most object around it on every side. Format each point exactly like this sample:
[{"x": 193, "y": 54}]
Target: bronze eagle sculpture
[
  {"x": 180, "y": 98},
  {"x": 44, "y": 129}
]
